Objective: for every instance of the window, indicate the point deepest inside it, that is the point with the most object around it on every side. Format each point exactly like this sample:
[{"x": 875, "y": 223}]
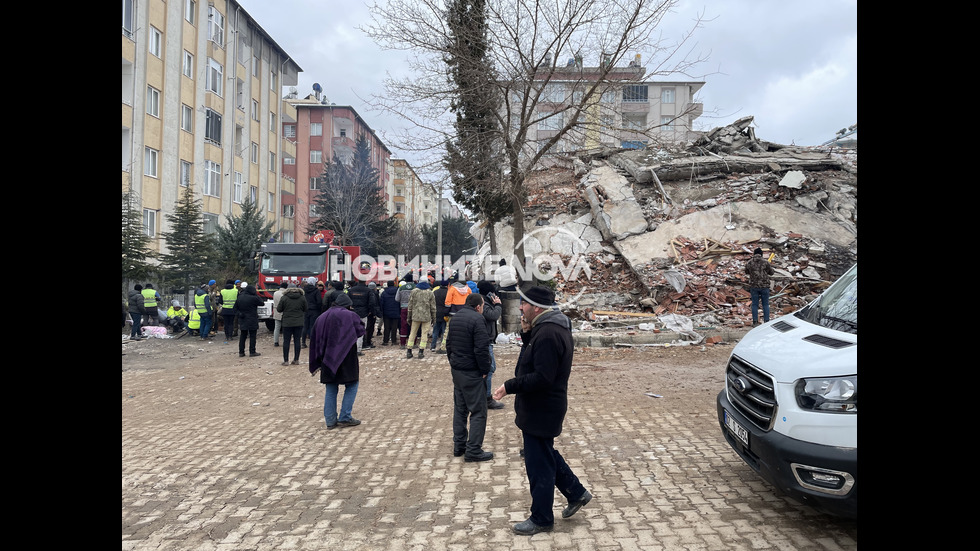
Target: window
[
  {"x": 273, "y": 78},
  {"x": 343, "y": 132},
  {"x": 212, "y": 179},
  {"x": 156, "y": 41},
  {"x": 186, "y": 118},
  {"x": 290, "y": 131},
  {"x": 213, "y": 80},
  {"x": 271, "y": 202},
  {"x": 272, "y": 161},
  {"x": 255, "y": 153},
  {"x": 287, "y": 237},
  {"x": 313, "y": 212},
  {"x": 216, "y": 26},
  {"x": 128, "y": 6},
  {"x": 667, "y": 123},
  {"x": 152, "y": 101},
  {"x": 240, "y": 93},
  {"x": 150, "y": 162},
  {"x": 637, "y": 121},
  {"x": 239, "y": 140},
  {"x": 610, "y": 96},
  {"x": 288, "y": 211},
  {"x": 188, "y": 68},
  {"x": 185, "y": 173},
  {"x": 316, "y": 129},
  {"x": 553, "y": 93},
  {"x": 287, "y": 160},
  {"x": 210, "y": 224},
  {"x": 212, "y": 128},
  {"x": 253, "y": 193},
  {"x": 238, "y": 188},
  {"x": 255, "y": 66},
  {"x": 553, "y": 122},
  {"x": 315, "y": 183},
  {"x": 272, "y": 122},
  {"x": 636, "y": 93},
  {"x": 667, "y": 95},
  {"x": 150, "y": 222},
  {"x": 255, "y": 110},
  {"x": 316, "y": 156},
  {"x": 190, "y": 11}
]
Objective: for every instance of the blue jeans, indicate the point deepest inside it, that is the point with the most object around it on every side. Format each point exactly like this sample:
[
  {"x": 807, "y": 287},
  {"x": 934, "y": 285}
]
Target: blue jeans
[
  {"x": 135, "y": 331},
  {"x": 330, "y": 403},
  {"x": 437, "y": 329},
  {"x": 493, "y": 367},
  {"x": 205, "y": 326},
  {"x": 760, "y": 293}
]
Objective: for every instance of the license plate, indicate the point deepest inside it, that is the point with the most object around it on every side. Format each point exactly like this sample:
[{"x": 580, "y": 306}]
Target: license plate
[{"x": 736, "y": 429}]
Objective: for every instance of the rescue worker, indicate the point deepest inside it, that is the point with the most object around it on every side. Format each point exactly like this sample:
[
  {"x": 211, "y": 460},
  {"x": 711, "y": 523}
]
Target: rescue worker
[
  {"x": 194, "y": 322},
  {"x": 150, "y": 298},
  {"x": 177, "y": 317},
  {"x": 205, "y": 310},
  {"x": 227, "y": 298}
]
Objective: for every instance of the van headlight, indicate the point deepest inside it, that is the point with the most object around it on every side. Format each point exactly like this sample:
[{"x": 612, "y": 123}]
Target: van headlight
[{"x": 828, "y": 394}]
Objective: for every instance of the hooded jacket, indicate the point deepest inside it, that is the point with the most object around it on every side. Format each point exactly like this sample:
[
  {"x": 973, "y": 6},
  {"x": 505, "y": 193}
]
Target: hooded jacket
[
  {"x": 390, "y": 308},
  {"x": 456, "y": 297},
  {"x": 292, "y": 306},
  {"x": 364, "y": 300},
  {"x": 208, "y": 308},
  {"x": 314, "y": 300},
  {"x": 491, "y": 311},
  {"x": 422, "y": 304},
  {"x": 136, "y": 304},
  {"x": 247, "y": 307},
  {"x": 540, "y": 380}
]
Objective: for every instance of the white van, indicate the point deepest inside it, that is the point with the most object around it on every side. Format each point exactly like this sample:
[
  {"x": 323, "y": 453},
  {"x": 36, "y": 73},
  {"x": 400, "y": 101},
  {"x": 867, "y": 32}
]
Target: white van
[{"x": 789, "y": 407}]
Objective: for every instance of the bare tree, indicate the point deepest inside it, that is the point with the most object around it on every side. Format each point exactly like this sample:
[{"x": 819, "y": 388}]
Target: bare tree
[{"x": 526, "y": 41}]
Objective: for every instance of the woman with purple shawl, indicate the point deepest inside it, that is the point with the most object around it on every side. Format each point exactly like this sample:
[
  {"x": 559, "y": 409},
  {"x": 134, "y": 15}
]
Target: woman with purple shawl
[{"x": 333, "y": 352}]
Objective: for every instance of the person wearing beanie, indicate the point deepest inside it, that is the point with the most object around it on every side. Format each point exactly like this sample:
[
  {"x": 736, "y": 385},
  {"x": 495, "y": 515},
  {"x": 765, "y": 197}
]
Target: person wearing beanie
[
  {"x": 364, "y": 303},
  {"x": 540, "y": 386},
  {"x": 759, "y": 272},
  {"x": 333, "y": 353},
  {"x": 491, "y": 313},
  {"x": 314, "y": 304},
  {"x": 404, "y": 293},
  {"x": 421, "y": 311},
  {"x": 137, "y": 308},
  {"x": 247, "y": 306}
]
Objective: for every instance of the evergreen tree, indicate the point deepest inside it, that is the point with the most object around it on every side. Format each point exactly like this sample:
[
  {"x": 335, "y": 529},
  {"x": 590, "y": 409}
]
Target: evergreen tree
[
  {"x": 472, "y": 157},
  {"x": 456, "y": 238},
  {"x": 349, "y": 203},
  {"x": 236, "y": 244},
  {"x": 189, "y": 250},
  {"x": 136, "y": 251}
]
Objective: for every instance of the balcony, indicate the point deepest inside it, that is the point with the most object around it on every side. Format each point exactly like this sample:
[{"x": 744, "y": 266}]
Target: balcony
[
  {"x": 694, "y": 109},
  {"x": 343, "y": 141}
]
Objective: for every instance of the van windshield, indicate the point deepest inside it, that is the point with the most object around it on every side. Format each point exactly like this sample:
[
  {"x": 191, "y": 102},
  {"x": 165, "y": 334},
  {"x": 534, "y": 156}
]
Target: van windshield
[{"x": 837, "y": 307}]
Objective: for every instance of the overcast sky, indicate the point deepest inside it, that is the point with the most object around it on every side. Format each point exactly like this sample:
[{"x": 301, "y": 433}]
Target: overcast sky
[{"x": 790, "y": 64}]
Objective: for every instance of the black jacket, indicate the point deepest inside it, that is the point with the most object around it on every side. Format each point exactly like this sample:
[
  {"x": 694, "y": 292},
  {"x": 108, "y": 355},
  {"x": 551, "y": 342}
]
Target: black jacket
[
  {"x": 467, "y": 344},
  {"x": 441, "y": 310},
  {"x": 365, "y": 301},
  {"x": 247, "y": 307},
  {"x": 541, "y": 378},
  {"x": 491, "y": 313},
  {"x": 313, "y": 300}
]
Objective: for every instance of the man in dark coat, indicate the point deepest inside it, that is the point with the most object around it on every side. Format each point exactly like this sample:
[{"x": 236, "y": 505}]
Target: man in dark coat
[
  {"x": 333, "y": 352},
  {"x": 364, "y": 302},
  {"x": 468, "y": 350},
  {"x": 491, "y": 313},
  {"x": 247, "y": 305},
  {"x": 391, "y": 312},
  {"x": 541, "y": 385},
  {"x": 442, "y": 313},
  {"x": 313, "y": 305}
]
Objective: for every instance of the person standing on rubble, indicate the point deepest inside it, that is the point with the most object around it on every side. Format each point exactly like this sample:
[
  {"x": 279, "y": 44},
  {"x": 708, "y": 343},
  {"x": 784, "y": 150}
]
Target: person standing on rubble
[{"x": 759, "y": 273}]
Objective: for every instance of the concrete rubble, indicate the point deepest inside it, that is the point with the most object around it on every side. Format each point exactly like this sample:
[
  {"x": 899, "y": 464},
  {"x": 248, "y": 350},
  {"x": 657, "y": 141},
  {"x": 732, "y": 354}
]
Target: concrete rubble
[{"x": 668, "y": 231}]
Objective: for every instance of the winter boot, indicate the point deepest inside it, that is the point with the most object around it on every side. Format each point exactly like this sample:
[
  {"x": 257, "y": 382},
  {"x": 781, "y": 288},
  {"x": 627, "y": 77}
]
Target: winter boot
[
  {"x": 421, "y": 353},
  {"x": 409, "y": 353}
]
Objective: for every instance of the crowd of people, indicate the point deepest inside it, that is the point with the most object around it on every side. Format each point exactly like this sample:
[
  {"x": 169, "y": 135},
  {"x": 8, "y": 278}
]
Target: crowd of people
[{"x": 337, "y": 322}]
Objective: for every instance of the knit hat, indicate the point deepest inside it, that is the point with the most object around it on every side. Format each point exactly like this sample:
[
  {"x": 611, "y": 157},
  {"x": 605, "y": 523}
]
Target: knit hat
[
  {"x": 372, "y": 285},
  {"x": 485, "y": 287},
  {"x": 174, "y": 303},
  {"x": 292, "y": 285},
  {"x": 212, "y": 282},
  {"x": 423, "y": 285},
  {"x": 542, "y": 297},
  {"x": 472, "y": 286},
  {"x": 311, "y": 280},
  {"x": 343, "y": 301},
  {"x": 757, "y": 251}
]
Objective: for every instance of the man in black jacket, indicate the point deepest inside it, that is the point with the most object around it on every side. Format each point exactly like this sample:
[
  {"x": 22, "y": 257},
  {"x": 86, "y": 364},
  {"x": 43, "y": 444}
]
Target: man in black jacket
[
  {"x": 541, "y": 386},
  {"x": 468, "y": 351},
  {"x": 364, "y": 303}
]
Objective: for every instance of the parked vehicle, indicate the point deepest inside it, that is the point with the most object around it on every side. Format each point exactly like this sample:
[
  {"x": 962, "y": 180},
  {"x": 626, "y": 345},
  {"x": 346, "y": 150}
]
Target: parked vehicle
[{"x": 789, "y": 406}]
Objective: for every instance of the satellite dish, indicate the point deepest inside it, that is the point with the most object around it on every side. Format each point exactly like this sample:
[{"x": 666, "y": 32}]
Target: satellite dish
[{"x": 316, "y": 87}]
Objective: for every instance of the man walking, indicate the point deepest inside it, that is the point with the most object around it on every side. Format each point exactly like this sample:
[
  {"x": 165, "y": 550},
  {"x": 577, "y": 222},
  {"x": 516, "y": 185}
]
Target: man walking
[
  {"x": 541, "y": 386},
  {"x": 468, "y": 351},
  {"x": 333, "y": 353}
]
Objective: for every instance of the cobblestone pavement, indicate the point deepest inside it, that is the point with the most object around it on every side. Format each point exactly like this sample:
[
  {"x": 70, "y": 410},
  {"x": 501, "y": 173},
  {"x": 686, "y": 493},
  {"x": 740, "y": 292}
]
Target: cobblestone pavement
[{"x": 228, "y": 453}]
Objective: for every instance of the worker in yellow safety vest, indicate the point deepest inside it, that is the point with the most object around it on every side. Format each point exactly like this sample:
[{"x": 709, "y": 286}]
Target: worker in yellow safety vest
[
  {"x": 150, "y": 298},
  {"x": 194, "y": 322},
  {"x": 227, "y": 299}
]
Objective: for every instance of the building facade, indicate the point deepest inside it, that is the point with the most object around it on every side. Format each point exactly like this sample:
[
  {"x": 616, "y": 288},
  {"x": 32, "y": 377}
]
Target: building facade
[
  {"x": 202, "y": 109},
  {"x": 414, "y": 203},
  {"x": 319, "y": 131},
  {"x": 626, "y": 111}
]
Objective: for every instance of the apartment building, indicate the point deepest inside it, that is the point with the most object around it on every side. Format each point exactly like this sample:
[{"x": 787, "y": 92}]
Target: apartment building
[
  {"x": 318, "y": 131},
  {"x": 414, "y": 202},
  {"x": 628, "y": 112},
  {"x": 201, "y": 108}
]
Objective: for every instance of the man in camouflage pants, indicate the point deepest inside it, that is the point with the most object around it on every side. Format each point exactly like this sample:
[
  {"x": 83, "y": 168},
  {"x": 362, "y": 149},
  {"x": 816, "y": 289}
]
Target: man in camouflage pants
[{"x": 759, "y": 271}]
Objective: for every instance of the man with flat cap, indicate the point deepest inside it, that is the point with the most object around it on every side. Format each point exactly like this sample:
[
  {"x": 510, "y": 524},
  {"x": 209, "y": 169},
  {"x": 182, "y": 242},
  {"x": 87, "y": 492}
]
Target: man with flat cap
[{"x": 541, "y": 387}]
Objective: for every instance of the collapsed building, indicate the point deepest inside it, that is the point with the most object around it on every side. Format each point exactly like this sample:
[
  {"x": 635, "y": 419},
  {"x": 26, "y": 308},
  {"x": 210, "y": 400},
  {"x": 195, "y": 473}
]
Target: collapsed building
[{"x": 669, "y": 230}]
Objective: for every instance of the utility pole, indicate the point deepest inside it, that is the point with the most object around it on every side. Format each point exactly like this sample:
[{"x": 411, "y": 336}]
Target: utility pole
[{"x": 439, "y": 234}]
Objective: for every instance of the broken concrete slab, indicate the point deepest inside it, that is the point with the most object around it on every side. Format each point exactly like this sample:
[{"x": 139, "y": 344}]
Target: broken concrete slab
[{"x": 614, "y": 207}]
